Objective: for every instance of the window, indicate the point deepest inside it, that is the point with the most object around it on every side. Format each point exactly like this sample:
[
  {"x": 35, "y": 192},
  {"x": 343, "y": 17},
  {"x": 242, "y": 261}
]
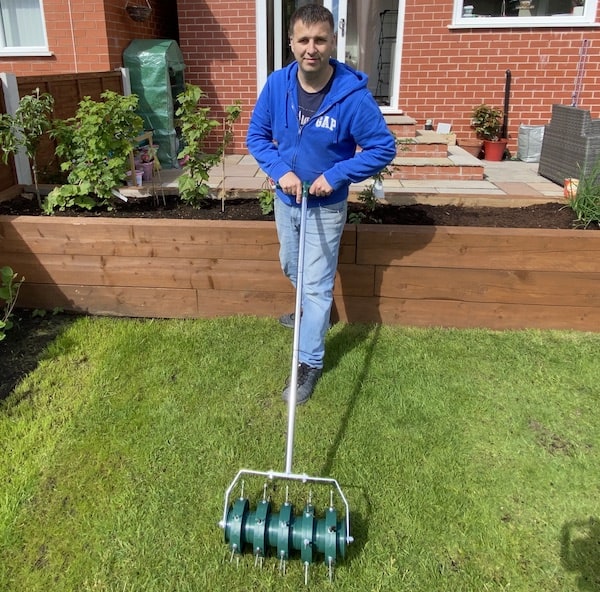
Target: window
[
  {"x": 523, "y": 13},
  {"x": 22, "y": 28}
]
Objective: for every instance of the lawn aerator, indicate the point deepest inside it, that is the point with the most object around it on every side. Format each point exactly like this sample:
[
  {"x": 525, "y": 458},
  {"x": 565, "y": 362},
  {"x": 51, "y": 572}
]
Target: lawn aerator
[{"x": 284, "y": 531}]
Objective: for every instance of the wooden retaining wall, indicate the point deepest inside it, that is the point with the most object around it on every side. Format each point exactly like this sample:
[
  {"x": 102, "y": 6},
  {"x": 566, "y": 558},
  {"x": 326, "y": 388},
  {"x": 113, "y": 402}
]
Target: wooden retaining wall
[{"x": 409, "y": 275}]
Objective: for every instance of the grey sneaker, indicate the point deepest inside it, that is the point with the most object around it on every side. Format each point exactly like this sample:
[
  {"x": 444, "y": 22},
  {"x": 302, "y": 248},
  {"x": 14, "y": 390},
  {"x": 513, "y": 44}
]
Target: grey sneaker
[
  {"x": 288, "y": 320},
  {"x": 307, "y": 379}
]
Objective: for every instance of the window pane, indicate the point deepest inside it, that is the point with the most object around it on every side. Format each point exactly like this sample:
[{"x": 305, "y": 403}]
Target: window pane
[
  {"x": 520, "y": 8},
  {"x": 22, "y": 23}
]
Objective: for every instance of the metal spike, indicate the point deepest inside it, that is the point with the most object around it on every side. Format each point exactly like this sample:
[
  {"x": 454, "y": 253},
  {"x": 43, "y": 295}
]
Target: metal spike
[
  {"x": 331, "y": 498},
  {"x": 282, "y": 563},
  {"x": 330, "y": 569},
  {"x": 233, "y": 553},
  {"x": 258, "y": 559},
  {"x": 242, "y": 488},
  {"x": 306, "y": 564},
  {"x": 265, "y": 492}
]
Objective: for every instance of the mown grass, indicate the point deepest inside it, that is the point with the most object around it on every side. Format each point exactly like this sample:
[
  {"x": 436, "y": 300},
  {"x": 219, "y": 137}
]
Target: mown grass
[{"x": 470, "y": 459}]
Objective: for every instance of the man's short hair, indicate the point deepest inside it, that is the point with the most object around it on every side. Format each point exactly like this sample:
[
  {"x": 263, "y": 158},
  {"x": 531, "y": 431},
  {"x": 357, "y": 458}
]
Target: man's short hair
[{"x": 311, "y": 14}]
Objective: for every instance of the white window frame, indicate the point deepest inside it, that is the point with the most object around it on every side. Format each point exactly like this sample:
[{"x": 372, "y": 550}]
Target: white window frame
[
  {"x": 588, "y": 18},
  {"x": 22, "y": 50}
]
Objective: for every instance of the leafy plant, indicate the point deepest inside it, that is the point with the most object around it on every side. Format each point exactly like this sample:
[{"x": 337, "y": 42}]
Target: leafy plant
[
  {"x": 586, "y": 202},
  {"x": 24, "y": 129},
  {"x": 487, "y": 122},
  {"x": 196, "y": 126},
  {"x": 233, "y": 113},
  {"x": 9, "y": 292},
  {"x": 95, "y": 147},
  {"x": 266, "y": 199},
  {"x": 369, "y": 199}
]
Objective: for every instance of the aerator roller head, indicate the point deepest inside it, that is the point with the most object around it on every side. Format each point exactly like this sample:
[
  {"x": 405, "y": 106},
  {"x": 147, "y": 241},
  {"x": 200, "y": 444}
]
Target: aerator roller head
[{"x": 285, "y": 534}]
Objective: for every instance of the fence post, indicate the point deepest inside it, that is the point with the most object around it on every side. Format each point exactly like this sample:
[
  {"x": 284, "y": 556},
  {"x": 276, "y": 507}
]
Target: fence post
[{"x": 11, "y": 99}]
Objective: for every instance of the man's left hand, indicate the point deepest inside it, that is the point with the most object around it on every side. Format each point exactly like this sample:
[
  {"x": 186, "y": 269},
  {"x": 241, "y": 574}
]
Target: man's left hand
[{"x": 320, "y": 187}]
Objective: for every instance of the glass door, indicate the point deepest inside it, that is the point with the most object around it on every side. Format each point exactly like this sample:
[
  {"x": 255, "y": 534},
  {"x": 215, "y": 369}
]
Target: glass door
[{"x": 368, "y": 38}]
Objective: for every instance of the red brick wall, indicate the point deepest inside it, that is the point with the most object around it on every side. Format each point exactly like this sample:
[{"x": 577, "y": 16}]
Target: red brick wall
[
  {"x": 218, "y": 41},
  {"x": 445, "y": 73},
  {"x": 90, "y": 36}
]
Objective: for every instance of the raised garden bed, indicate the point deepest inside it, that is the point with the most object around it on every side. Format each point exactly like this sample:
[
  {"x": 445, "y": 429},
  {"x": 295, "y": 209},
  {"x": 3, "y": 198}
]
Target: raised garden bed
[{"x": 499, "y": 278}]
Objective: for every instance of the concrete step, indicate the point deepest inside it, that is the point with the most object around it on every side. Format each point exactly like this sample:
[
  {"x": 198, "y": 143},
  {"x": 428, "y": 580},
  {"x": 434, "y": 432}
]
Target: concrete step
[
  {"x": 402, "y": 126},
  {"x": 458, "y": 164}
]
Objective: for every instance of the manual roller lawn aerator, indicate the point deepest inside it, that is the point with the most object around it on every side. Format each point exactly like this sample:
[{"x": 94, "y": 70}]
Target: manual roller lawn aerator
[{"x": 284, "y": 531}]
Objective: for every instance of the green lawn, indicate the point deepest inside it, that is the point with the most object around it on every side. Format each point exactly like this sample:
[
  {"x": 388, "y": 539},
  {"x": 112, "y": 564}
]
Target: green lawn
[{"x": 470, "y": 459}]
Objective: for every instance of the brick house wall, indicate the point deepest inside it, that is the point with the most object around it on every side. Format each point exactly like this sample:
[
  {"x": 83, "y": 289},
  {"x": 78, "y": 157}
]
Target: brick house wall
[
  {"x": 445, "y": 73},
  {"x": 91, "y": 36}
]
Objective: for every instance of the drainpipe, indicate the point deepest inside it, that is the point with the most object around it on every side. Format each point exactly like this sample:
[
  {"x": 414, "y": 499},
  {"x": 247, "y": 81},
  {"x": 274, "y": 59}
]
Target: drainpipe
[{"x": 504, "y": 133}]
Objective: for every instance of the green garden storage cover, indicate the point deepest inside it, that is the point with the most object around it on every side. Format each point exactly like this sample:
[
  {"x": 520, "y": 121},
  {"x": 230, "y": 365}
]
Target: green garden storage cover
[{"x": 156, "y": 75}]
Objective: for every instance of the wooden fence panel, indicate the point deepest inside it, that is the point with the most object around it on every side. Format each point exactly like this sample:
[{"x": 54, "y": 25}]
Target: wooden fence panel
[{"x": 68, "y": 90}]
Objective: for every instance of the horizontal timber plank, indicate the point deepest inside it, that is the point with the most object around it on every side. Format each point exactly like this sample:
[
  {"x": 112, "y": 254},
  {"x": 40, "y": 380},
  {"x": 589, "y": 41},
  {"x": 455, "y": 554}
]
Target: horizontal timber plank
[
  {"x": 479, "y": 248},
  {"x": 151, "y": 272},
  {"x": 453, "y": 314},
  {"x": 484, "y": 285},
  {"x": 112, "y": 301}
]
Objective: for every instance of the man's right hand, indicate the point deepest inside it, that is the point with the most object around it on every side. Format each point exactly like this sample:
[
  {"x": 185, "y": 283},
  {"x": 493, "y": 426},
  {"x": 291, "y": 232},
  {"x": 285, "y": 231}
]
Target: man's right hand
[{"x": 291, "y": 185}]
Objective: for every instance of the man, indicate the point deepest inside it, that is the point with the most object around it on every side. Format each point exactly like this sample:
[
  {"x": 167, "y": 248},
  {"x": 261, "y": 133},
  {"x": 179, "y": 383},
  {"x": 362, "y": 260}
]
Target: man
[{"x": 306, "y": 126}]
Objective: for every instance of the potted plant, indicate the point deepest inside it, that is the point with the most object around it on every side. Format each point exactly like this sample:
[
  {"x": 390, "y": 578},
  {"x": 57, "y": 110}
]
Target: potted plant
[{"x": 487, "y": 123}]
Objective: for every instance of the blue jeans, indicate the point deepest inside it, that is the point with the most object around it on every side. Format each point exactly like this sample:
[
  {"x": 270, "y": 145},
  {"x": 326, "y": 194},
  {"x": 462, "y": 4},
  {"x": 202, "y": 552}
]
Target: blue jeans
[{"x": 324, "y": 227}]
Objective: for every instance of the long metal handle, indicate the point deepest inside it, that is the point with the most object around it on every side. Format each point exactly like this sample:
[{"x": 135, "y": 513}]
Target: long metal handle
[{"x": 293, "y": 395}]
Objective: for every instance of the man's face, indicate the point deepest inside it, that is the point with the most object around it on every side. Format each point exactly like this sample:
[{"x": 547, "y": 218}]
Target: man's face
[{"x": 312, "y": 46}]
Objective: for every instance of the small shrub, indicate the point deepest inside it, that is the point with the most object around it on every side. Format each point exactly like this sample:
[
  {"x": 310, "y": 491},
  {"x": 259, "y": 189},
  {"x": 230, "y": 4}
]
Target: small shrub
[
  {"x": 24, "y": 129},
  {"x": 266, "y": 200},
  {"x": 586, "y": 203},
  {"x": 95, "y": 146},
  {"x": 9, "y": 292},
  {"x": 196, "y": 126}
]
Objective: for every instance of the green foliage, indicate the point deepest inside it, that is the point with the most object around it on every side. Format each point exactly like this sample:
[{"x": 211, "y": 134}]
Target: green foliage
[
  {"x": 9, "y": 292},
  {"x": 369, "y": 200},
  {"x": 24, "y": 129},
  {"x": 487, "y": 122},
  {"x": 233, "y": 113},
  {"x": 196, "y": 126},
  {"x": 95, "y": 146},
  {"x": 586, "y": 202},
  {"x": 266, "y": 200}
]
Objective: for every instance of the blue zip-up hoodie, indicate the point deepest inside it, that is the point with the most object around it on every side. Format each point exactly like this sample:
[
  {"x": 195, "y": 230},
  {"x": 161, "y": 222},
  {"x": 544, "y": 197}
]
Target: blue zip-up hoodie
[{"x": 327, "y": 144}]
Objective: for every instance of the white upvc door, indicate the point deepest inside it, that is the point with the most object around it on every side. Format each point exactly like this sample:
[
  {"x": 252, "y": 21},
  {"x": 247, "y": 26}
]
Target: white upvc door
[{"x": 369, "y": 38}]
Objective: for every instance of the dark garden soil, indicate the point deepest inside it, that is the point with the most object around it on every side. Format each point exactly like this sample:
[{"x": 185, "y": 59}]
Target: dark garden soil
[
  {"x": 549, "y": 215},
  {"x": 24, "y": 345},
  {"x": 20, "y": 351}
]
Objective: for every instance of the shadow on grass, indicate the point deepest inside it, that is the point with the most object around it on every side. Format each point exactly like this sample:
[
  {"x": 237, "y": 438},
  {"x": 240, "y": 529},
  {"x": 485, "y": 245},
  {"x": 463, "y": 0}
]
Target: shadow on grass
[
  {"x": 580, "y": 552},
  {"x": 350, "y": 337},
  {"x": 25, "y": 344}
]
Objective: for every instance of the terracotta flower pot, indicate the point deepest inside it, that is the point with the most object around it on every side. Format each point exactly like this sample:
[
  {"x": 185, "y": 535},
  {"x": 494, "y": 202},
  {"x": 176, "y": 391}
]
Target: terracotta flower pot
[
  {"x": 473, "y": 147},
  {"x": 494, "y": 149}
]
